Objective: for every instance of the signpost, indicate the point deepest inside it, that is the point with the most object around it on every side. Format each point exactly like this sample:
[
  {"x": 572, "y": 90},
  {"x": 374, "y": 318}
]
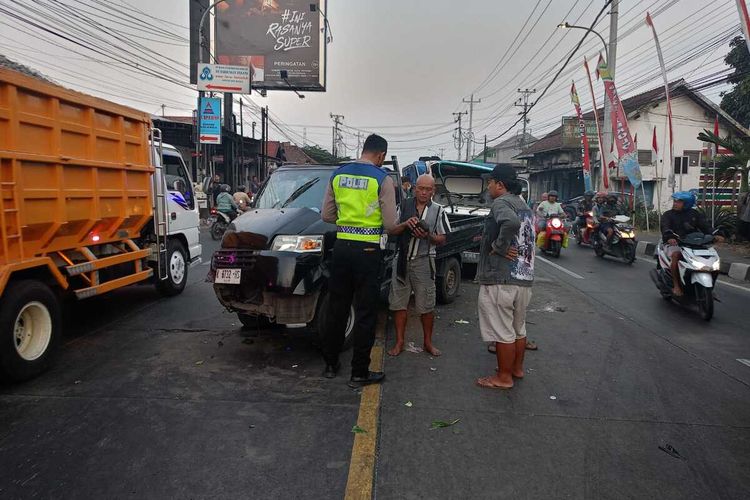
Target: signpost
[
  {"x": 223, "y": 78},
  {"x": 571, "y": 133},
  {"x": 210, "y": 120}
]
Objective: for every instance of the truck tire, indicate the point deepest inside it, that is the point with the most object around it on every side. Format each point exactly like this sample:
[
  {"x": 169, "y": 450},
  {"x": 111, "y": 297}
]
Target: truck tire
[
  {"x": 177, "y": 270},
  {"x": 449, "y": 284},
  {"x": 29, "y": 329},
  {"x": 321, "y": 319}
]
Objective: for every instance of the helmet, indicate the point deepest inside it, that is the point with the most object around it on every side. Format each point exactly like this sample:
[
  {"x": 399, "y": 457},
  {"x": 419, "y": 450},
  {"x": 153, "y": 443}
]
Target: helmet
[
  {"x": 553, "y": 193},
  {"x": 226, "y": 188},
  {"x": 589, "y": 194},
  {"x": 686, "y": 197}
]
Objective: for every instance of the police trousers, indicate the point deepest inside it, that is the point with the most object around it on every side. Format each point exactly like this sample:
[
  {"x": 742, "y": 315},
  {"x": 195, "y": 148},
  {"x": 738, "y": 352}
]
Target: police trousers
[{"x": 354, "y": 277}]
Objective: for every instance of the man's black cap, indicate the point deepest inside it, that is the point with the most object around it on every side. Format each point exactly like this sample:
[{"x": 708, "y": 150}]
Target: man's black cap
[{"x": 504, "y": 174}]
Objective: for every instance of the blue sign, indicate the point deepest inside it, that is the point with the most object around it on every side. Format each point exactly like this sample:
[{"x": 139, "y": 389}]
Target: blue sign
[{"x": 210, "y": 120}]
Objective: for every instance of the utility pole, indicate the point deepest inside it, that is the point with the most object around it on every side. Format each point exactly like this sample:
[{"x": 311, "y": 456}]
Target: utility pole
[
  {"x": 523, "y": 102},
  {"x": 242, "y": 142},
  {"x": 459, "y": 117},
  {"x": 359, "y": 144},
  {"x": 485, "y": 148},
  {"x": 470, "y": 137},
  {"x": 254, "y": 125},
  {"x": 304, "y": 137},
  {"x": 163, "y": 107},
  {"x": 337, "y": 119},
  {"x": 611, "y": 60}
]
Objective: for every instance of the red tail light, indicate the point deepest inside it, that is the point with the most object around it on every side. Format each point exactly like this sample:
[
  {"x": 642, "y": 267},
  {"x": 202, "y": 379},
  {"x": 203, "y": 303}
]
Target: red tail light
[{"x": 213, "y": 211}]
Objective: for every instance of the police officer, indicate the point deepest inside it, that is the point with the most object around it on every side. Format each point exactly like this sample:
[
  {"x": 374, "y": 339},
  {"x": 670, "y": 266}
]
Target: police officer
[{"x": 361, "y": 201}]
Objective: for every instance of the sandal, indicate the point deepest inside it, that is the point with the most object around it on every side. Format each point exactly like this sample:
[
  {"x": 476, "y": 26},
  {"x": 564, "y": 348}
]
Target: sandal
[{"x": 531, "y": 345}]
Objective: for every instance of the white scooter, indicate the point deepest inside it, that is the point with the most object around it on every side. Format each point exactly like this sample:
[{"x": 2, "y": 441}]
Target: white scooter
[{"x": 698, "y": 271}]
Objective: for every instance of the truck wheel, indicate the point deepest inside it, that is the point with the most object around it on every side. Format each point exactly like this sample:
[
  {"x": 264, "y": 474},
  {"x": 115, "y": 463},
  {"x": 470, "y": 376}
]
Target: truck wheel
[
  {"x": 177, "y": 270},
  {"x": 29, "y": 329},
  {"x": 449, "y": 284},
  {"x": 321, "y": 320}
]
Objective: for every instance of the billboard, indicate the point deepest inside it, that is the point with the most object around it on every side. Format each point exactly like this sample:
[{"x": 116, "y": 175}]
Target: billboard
[
  {"x": 571, "y": 133},
  {"x": 271, "y": 36}
]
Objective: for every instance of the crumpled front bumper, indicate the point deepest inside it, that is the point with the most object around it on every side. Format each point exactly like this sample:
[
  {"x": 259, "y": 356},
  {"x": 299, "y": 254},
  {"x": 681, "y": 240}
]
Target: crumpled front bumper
[{"x": 282, "y": 286}]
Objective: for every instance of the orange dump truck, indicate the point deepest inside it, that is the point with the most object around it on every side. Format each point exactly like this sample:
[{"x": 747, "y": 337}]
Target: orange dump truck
[{"x": 91, "y": 202}]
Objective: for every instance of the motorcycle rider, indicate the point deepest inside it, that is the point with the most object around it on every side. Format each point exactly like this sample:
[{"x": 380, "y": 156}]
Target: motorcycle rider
[
  {"x": 225, "y": 202},
  {"x": 584, "y": 206},
  {"x": 678, "y": 223},
  {"x": 604, "y": 214},
  {"x": 548, "y": 208}
]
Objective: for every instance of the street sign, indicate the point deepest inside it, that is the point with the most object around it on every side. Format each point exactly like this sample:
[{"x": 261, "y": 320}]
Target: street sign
[
  {"x": 210, "y": 120},
  {"x": 224, "y": 78}
]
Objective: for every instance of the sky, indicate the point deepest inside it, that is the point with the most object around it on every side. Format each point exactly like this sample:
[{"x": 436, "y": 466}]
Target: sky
[{"x": 398, "y": 68}]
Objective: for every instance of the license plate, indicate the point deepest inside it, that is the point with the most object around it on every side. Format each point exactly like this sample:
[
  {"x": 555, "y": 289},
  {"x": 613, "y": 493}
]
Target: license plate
[{"x": 228, "y": 276}]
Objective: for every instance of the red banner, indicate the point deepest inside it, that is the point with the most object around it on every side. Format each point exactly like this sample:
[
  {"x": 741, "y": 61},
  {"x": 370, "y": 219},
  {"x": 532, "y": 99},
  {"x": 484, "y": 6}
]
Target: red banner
[
  {"x": 584, "y": 139},
  {"x": 626, "y": 150},
  {"x": 602, "y": 155}
]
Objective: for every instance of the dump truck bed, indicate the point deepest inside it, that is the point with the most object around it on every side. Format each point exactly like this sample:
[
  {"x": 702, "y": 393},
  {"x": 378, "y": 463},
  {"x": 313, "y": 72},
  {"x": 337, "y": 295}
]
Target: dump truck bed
[{"x": 74, "y": 170}]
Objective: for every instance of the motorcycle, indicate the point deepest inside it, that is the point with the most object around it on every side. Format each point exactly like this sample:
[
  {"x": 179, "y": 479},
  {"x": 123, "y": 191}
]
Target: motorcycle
[
  {"x": 220, "y": 223},
  {"x": 623, "y": 242},
  {"x": 585, "y": 232},
  {"x": 554, "y": 237},
  {"x": 699, "y": 270}
]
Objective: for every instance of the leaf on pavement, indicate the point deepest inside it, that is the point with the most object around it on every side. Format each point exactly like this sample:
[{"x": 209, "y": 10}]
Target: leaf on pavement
[
  {"x": 440, "y": 424},
  {"x": 358, "y": 430},
  {"x": 199, "y": 362},
  {"x": 408, "y": 404}
]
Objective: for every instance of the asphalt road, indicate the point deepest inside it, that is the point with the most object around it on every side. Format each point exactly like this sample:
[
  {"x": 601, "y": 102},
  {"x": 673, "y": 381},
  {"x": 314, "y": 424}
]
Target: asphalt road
[{"x": 169, "y": 398}]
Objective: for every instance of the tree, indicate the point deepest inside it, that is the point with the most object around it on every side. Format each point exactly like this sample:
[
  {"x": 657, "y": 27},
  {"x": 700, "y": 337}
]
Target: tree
[
  {"x": 322, "y": 156},
  {"x": 727, "y": 166},
  {"x": 737, "y": 102}
]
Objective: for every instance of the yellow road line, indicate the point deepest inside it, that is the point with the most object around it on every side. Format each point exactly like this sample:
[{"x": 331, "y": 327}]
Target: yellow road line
[{"x": 359, "y": 485}]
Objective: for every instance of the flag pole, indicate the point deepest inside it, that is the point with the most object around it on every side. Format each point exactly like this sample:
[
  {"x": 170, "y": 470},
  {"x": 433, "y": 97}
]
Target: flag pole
[{"x": 602, "y": 160}]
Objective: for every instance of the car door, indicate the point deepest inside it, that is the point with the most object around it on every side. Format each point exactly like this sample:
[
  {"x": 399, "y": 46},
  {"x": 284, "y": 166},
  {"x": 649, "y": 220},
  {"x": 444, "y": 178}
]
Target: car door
[{"x": 389, "y": 243}]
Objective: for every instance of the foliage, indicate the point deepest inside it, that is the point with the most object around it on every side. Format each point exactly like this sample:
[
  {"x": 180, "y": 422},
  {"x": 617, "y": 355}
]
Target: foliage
[
  {"x": 737, "y": 102},
  {"x": 726, "y": 220},
  {"x": 322, "y": 156},
  {"x": 639, "y": 221},
  {"x": 728, "y": 165}
]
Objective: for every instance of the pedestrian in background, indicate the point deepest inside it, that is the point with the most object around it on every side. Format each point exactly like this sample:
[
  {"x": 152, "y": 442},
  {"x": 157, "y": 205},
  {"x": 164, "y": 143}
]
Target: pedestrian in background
[
  {"x": 423, "y": 225},
  {"x": 506, "y": 274},
  {"x": 406, "y": 191},
  {"x": 361, "y": 201}
]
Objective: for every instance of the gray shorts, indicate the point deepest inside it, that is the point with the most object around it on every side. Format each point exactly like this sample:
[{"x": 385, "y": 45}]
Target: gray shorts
[{"x": 420, "y": 280}]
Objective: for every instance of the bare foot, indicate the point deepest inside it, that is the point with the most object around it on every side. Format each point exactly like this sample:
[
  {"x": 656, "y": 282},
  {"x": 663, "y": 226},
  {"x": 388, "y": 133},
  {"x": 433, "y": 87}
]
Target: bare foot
[
  {"x": 494, "y": 382},
  {"x": 397, "y": 349},
  {"x": 434, "y": 351},
  {"x": 676, "y": 292},
  {"x": 518, "y": 374}
]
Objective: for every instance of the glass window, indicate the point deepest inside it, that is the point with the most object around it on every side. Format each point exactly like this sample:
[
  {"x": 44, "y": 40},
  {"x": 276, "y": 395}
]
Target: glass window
[
  {"x": 644, "y": 157},
  {"x": 177, "y": 179},
  {"x": 693, "y": 157},
  {"x": 295, "y": 188}
]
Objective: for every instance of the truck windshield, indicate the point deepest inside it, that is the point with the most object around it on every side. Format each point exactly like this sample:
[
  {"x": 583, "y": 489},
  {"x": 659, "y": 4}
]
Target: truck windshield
[{"x": 303, "y": 188}]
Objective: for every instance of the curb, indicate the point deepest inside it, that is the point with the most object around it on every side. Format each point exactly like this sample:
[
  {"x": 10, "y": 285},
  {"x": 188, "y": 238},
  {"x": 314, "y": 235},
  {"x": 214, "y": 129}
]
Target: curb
[
  {"x": 645, "y": 248},
  {"x": 739, "y": 271},
  {"x": 734, "y": 270}
]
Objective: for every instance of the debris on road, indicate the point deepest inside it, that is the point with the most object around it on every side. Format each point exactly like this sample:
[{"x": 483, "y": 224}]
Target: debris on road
[
  {"x": 413, "y": 348},
  {"x": 670, "y": 450},
  {"x": 358, "y": 430},
  {"x": 408, "y": 404},
  {"x": 553, "y": 397},
  {"x": 461, "y": 322},
  {"x": 440, "y": 424},
  {"x": 295, "y": 366},
  {"x": 432, "y": 369},
  {"x": 198, "y": 363}
]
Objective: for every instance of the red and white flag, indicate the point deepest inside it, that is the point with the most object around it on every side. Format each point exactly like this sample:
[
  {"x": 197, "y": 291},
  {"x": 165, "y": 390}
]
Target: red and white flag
[
  {"x": 654, "y": 147},
  {"x": 584, "y": 139},
  {"x": 602, "y": 151},
  {"x": 744, "y": 20}
]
